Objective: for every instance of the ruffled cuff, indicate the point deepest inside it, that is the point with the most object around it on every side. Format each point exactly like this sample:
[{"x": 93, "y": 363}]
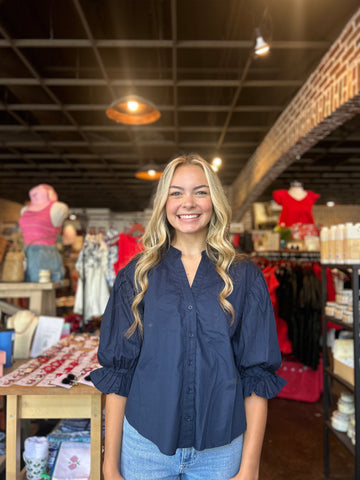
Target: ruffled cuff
[
  {"x": 266, "y": 385},
  {"x": 112, "y": 380}
]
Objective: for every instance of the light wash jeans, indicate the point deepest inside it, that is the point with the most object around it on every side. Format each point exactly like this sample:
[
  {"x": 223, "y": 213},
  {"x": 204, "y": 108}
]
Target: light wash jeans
[
  {"x": 142, "y": 460},
  {"x": 43, "y": 257}
]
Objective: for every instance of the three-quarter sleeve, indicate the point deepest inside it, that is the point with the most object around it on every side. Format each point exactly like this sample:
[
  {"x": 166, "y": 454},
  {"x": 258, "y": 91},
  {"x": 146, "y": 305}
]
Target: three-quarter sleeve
[
  {"x": 255, "y": 343},
  {"x": 117, "y": 354}
]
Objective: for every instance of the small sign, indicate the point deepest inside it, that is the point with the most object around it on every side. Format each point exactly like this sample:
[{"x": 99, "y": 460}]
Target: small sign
[{"x": 48, "y": 333}]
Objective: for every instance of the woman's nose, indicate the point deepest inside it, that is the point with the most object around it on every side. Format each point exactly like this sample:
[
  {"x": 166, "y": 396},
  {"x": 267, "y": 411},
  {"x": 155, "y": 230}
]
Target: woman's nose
[{"x": 188, "y": 199}]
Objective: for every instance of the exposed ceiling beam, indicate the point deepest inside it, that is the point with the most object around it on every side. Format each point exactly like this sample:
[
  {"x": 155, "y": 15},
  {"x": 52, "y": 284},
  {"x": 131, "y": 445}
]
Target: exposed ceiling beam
[
  {"x": 116, "y": 43},
  {"x": 99, "y": 82},
  {"x": 175, "y": 72},
  {"x": 89, "y": 156},
  {"x": 120, "y": 128},
  {"x": 230, "y": 112},
  {"x": 94, "y": 47},
  {"x": 183, "y": 108},
  {"x": 117, "y": 144}
]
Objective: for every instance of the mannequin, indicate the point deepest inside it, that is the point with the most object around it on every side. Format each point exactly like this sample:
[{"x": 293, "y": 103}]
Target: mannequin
[
  {"x": 41, "y": 221},
  {"x": 297, "y": 205},
  {"x": 297, "y": 191}
]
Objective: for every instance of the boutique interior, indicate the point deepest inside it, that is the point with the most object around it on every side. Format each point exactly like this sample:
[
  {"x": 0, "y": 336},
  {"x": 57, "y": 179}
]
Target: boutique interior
[{"x": 96, "y": 98}]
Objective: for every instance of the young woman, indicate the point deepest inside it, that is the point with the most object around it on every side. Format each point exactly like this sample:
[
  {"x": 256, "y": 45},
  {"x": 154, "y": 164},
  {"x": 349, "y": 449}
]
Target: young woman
[{"x": 188, "y": 344}]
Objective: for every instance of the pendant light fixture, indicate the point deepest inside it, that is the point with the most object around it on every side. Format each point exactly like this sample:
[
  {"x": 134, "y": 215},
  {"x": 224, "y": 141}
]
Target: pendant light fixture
[
  {"x": 133, "y": 110},
  {"x": 149, "y": 172},
  {"x": 261, "y": 47}
]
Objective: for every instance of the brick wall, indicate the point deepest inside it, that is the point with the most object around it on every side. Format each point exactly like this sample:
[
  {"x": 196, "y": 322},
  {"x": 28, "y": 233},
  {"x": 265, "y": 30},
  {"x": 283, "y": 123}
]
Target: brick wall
[
  {"x": 326, "y": 216},
  {"x": 329, "y": 97}
]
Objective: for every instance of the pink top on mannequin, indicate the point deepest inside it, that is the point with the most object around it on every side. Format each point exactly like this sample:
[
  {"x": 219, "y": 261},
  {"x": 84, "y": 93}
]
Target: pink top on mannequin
[{"x": 41, "y": 220}]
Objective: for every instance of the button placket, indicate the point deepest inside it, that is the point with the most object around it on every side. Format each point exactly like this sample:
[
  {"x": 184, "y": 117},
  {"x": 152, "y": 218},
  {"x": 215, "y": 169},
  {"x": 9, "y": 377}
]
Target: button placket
[{"x": 189, "y": 376}]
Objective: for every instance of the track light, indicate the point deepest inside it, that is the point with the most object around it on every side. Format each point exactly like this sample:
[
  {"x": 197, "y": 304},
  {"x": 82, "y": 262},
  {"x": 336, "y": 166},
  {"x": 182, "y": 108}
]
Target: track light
[{"x": 261, "y": 47}]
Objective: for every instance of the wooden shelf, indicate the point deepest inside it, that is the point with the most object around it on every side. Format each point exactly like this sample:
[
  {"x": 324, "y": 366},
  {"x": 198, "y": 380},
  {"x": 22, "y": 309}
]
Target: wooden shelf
[
  {"x": 42, "y": 298},
  {"x": 346, "y": 326},
  {"x": 340, "y": 380},
  {"x": 352, "y": 270},
  {"x": 342, "y": 437}
]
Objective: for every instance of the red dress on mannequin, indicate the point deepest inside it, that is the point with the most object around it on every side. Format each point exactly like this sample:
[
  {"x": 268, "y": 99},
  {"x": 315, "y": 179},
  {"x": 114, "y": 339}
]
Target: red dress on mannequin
[{"x": 295, "y": 211}]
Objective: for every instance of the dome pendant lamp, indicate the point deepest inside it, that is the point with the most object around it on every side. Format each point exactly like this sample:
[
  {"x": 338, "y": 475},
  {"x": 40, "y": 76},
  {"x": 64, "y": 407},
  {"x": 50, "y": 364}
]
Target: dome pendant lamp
[
  {"x": 133, "y": 110},
  {"x": 149, "y": 172}
]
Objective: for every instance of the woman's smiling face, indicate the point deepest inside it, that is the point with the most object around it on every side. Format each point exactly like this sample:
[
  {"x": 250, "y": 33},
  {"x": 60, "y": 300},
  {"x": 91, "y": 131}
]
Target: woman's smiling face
[{"x": 189, "y": 207}]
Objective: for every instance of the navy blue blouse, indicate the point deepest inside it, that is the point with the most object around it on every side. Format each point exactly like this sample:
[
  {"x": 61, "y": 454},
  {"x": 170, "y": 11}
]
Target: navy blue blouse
[{"x": 187, "y": 379}]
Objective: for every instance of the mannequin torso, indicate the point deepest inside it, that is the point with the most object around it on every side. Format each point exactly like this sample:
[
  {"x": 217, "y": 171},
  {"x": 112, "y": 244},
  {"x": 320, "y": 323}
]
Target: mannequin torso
[
  {"x": 297, "y": 192},
  {"x": 41, "y": 222},
  {"x": 58, "y": 212}
]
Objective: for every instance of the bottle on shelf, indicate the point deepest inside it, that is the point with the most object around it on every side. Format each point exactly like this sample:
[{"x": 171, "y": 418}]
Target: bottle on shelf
[
  {"x": 332, "y": 240},
  {"x": 347, "y": 228},
  {"x": 353, "y": 243},
  {"x": 324, "y": 245},
  {"x": 339, "y": 243}
]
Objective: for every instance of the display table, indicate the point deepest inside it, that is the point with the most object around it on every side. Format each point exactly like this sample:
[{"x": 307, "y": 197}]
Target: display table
[
  {"x": 80, "y": 401},
  {"x": 41, "y": 295}
]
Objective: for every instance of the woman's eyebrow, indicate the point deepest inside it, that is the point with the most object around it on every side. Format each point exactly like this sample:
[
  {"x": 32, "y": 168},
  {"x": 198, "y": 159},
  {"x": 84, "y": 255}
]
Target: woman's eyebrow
[{"x": 195, "y": 188}]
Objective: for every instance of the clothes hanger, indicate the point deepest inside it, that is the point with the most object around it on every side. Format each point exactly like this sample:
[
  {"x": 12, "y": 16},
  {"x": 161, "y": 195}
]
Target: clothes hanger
[{"x": 136, "y": 227}]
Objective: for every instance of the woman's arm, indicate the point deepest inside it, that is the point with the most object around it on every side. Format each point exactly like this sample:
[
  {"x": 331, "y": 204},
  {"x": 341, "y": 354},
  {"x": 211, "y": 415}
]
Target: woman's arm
[
  {"x": 114, "y": 419},
  {"x": 256, "y": 415}
]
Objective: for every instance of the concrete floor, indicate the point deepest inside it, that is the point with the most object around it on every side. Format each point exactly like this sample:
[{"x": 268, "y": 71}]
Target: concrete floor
[{"x": 293, "y": 445}]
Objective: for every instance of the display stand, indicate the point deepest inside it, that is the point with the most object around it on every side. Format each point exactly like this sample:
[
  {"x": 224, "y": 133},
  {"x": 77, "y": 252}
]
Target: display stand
[
  {"x": 42, "y": 298},
  {"x": 329, "y": 374},
  {"x": 80, "y": 401}
]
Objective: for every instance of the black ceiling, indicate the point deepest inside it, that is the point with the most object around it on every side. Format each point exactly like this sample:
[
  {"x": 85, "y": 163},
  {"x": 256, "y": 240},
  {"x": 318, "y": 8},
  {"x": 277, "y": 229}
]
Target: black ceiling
[{"x": 64, "y": 61}]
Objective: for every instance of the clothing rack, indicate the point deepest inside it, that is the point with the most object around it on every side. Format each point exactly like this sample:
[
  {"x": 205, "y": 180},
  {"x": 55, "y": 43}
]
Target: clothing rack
[
  {"x": 294, "y": 284},
  {"x": 289, "y": 254},
  {"x": 91, "y": 235},
  {"x": 135, "y": 228}
]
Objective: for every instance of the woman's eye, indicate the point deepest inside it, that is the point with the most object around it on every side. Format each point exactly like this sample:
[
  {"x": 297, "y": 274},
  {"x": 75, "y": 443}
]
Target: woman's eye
[
  {"x": 174, "y": 194},
  {"x": 201, "y": 192}
]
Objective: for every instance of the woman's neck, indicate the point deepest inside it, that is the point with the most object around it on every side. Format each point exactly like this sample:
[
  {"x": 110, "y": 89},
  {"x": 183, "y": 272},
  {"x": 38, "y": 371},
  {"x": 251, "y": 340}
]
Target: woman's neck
[{"x": 190, "y": 247}]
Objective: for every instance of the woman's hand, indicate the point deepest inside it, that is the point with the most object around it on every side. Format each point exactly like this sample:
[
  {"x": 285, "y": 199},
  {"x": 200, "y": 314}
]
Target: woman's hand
[
  {"x": 112, "y": 474},
  {"x": 246, "y": 475}
]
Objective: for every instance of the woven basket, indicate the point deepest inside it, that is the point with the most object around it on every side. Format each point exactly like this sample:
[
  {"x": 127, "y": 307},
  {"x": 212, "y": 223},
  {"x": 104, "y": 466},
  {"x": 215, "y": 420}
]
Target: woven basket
[{"x": 13, "y": 267}]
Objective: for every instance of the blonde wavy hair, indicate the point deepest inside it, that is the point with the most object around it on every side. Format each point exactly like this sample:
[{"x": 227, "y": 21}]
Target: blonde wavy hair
[{"x": 158, "y": 236}]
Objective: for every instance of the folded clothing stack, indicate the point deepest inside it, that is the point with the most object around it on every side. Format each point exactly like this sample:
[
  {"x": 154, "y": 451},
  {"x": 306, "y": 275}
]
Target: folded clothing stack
[{"x": 69, "y": 430}]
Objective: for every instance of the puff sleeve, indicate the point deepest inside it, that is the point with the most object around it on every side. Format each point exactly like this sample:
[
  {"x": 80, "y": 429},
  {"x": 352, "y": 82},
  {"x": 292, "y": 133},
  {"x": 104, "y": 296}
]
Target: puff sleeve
[
  {"x": 255, "y": 343},
  {"x": 278, "y": 196},
  {"x": 117, "y": 354}
]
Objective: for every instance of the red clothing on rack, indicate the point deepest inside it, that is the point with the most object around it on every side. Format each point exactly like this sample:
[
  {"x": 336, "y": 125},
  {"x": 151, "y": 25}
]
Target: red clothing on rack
[
  {"x": 330, "y": 288},
  {"x": 281, "y": 326},
  {"x": 128, "y": 247},
  {"x": 295, "y": 211}
]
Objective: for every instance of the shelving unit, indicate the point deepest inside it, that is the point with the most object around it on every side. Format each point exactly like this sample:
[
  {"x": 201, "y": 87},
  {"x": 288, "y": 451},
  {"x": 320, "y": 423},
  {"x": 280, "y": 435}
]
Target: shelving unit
[{"x": 329, "y": 374}]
